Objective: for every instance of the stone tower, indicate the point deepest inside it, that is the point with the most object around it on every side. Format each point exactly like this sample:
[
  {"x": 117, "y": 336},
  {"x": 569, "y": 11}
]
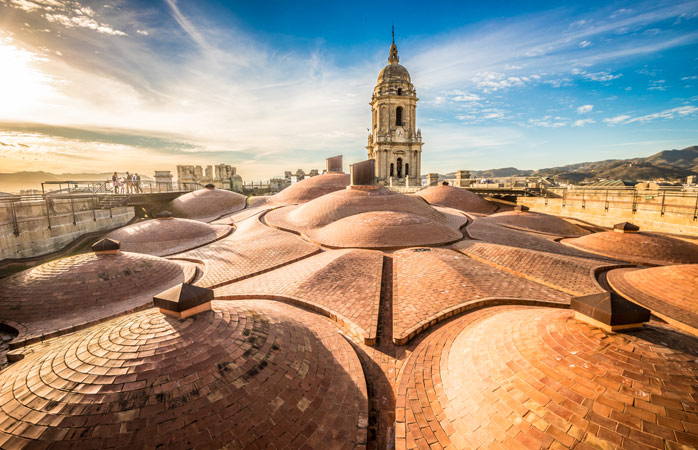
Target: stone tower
[{"x": 395, "y": 142}]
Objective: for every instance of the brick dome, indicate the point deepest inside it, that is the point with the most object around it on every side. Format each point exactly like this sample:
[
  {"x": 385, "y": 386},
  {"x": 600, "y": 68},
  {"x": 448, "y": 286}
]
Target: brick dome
[
  {"x": 670, "y": 292},
  {"x": 161, "y": 237},
  {"x": 638, "y": 248},
  {"x": 62, "y": 295},
  {"x": 237, "y": 376},
  {"x": 311, "y": 188},
  {"x": 207, "y": 204},
  {"x": 536, "y": 222},
  {"x": 330, "y": 218},
  {"x": 457, "y": 198},
  {"x": 512, "y": 377},
  {"x": 383, "y": 229}
]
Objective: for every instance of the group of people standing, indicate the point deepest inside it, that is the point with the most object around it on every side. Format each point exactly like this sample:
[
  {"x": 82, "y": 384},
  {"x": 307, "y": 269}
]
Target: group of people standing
[{"x": 129, "y": 184}]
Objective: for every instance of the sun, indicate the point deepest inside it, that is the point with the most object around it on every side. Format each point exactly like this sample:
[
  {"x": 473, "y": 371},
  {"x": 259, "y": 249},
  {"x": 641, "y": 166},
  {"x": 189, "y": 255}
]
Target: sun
[{"x": 23, "y": 86}]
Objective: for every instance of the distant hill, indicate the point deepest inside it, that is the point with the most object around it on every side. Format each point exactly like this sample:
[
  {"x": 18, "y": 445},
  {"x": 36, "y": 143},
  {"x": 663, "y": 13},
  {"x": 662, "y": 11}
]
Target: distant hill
[
  {"x": 672, "y": 165},
  {"x": 14, "y": 182}
]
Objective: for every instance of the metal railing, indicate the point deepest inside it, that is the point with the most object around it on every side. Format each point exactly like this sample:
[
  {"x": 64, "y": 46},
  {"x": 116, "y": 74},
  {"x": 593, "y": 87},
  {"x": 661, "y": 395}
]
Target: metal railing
[
  {"x": 672, "y": 199},
  {"x": 73, "y": 198}
]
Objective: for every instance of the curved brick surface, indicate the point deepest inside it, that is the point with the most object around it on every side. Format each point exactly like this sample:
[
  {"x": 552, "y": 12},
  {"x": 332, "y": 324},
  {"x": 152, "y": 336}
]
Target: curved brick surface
[
  {"x": 207, "y": 204},
  {"x": 489, "y": 232},
  {"x": 536, "y": 378},
  {"x": 69, "y": 293},
  {"x": 670, "y": 292},
  {"x": 430, "y": 285},
  {"x": 638, "y": 248},
  {"x": 383, "y": 229},
  {"x": 338, "y": 205},
  {"x": 456, "y": 198},
  {"x": 343, "y": 284},
  {"x": 311, "y": 188},
  {"x": 251, "y": 249},
  {"x": 575, "y": 276},
  {"x": 373, "y": 218},
  {"x": 537, "y": 222},
  {"x": 161, "y": 237},
  {"x": 246, "y": 375}
]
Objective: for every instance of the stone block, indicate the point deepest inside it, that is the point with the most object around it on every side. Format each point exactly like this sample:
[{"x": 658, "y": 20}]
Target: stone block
[
  {"x": 609, "y": 312},
  {"x": 184, "y": 300}
]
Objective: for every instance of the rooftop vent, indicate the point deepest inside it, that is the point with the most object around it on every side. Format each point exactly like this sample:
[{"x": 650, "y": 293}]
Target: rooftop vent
[
  {"x": 210, "y": 186},
  {"x": 164, "y": 215},
  {"x": 626, "y": 227},
  {"x": 335, "y": 164},
  {"x": 363, "y": 173},
  {"x": 521, "y": 208},
  {"x": 184, "y": 300},
  {"x": 106, "y": 246},
  {"x": 609, "y": 312},
  {"x": 444, "y": 183}
]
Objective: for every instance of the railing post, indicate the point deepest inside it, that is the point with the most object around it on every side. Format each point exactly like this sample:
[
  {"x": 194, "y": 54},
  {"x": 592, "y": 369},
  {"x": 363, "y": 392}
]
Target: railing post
[
  {"x": 15, "y": 225},
  {"x": 663, "y": 197},
  {"x": 72, "y": 208},
  {"x": 94, "y": 208},
  {"x": 48, "y": 212},
  {"x": 695, "y": 209},
  {"x": 584, "y": 200},
  {"x": 634, "y": 202},
  {"x": 606, "y": 202}
]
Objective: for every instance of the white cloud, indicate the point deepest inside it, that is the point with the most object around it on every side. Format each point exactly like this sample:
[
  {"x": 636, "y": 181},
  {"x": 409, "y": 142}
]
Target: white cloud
[
  {"x": 694, "y": 77},
  {"x": 582, "y": 122},
  {"x": 601, "y": 76},
  {"x": 70, "y": 14},
  {"x": 585, "y": 109},
  {"x": 681, "y": 111},
  {"x": 584, "y": 44},
  {"x": 460, "y": 96},
  {"x": 493, "y": 81},
  {"x": 143, "y": 32}
]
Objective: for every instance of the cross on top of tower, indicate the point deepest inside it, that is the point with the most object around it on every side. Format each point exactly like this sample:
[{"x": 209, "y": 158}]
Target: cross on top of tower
[{"x": 393, "y": 58}]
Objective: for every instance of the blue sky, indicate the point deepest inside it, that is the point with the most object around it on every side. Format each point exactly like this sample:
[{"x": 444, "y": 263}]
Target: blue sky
[{"x": 96, "y": 86}]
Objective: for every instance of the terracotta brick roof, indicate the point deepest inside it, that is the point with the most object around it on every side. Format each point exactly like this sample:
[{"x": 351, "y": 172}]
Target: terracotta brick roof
[
  {"x": 430, "y": 285},
  {"x": 457, "y": 198},
  {"x": 311, "y": 188},
  {"x": 638, "y": 248},
  {"x": 161, "y": 237},
  {"x": 69, "y": 293},
  {"x": 246, "y": 375},
  {"x": 670, "y": 292},
  {"x": 207, "y": 205},
  {"x": 368, "y": 218},
  {"x": 511, "y": 377},
  {"x": 538, "y": 222},
  {"x": 342, "y": 284}
]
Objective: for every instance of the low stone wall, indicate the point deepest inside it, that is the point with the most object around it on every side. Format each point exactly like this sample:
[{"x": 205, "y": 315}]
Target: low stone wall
[
  {"x": 35, "y": 238},
  {"x": 650, "y": 210}
]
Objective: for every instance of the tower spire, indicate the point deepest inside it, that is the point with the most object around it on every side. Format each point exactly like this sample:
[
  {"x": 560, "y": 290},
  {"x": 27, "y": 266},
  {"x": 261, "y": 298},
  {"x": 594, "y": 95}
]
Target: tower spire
[{"x": 393, "y": 58}]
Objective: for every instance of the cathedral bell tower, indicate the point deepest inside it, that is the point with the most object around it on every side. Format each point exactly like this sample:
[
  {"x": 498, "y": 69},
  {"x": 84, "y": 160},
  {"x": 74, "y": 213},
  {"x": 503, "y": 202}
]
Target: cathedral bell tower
[{"x": 395, "y": 142}]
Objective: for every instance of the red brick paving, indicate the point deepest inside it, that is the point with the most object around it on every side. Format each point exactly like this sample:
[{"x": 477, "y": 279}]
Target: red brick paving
[
  {"x": 207, "y": 204},
  {"x": 512, "y": 377},
  {"x": 253, "y": 248},
  {"x": 162, "y": 237},
  {"x": 433, "y": 284},
  {"x": 575, "y": 276},
  {"x": 638, "y": 248},
  {"x": 457, "y": 198},
  {"x": 482, "y": 230},
  {"x": 311, "y": 188},
  {"x": 245, "y": 214},
  {"x": 246, "y": 375},
  {"x": 537, "y": 222},
  {"x": 670, "y": 292},
  {"x": 70, "y": 293},
  {"x": 344, "y": 284}
]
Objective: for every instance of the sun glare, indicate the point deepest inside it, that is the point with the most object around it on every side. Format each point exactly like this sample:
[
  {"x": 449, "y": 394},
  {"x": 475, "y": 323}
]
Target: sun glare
[{"x": 22, "y": 85}]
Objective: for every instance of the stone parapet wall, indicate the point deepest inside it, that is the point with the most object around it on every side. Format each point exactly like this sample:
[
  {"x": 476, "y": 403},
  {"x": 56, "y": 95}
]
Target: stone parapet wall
[
  {"x": 650, "y": 210},
  {"x": 35, "y": 238}
]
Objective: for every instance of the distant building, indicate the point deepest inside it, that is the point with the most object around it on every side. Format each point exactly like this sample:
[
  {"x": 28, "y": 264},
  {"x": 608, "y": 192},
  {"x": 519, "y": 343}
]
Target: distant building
[
  {"x": 220, "y": 175},
  {"x": 163, "y": 180},
  {"x": 692, "y": 179}
]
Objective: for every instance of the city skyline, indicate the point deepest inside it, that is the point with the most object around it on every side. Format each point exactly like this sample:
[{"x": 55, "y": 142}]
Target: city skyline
[{"x": 144, "y": 85}]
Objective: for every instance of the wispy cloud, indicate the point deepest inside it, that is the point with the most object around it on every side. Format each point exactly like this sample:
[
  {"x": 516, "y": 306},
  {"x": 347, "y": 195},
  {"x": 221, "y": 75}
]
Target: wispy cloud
[
  {"x": 681, "y": 111},
  {"x": 585, "y": 109}
]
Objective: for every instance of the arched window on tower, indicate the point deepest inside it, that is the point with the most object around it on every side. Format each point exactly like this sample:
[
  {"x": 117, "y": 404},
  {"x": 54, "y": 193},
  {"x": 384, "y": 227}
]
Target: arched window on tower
[
  {"x": 392, "y": 169},
  {"x": 399, "y": 167},
  {"x": 398, "y": 116},
  {"x": 399, "y": 91}
]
